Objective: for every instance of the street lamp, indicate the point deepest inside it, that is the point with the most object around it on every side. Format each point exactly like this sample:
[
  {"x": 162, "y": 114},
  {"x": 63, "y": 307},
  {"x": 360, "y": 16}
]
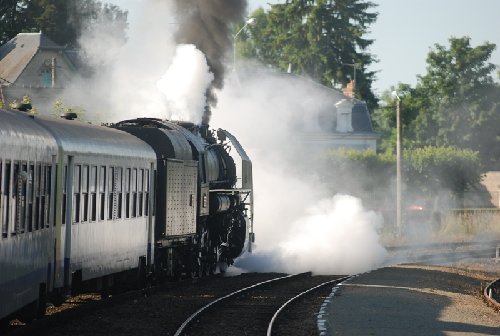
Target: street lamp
[
  {"x": 398, "y": 162},
  {"x": 251, "y": 22}
]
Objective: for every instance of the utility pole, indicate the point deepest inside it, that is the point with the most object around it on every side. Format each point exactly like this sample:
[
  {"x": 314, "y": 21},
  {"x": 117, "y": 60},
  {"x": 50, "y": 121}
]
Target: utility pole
[{"x": 398, "y": 165}]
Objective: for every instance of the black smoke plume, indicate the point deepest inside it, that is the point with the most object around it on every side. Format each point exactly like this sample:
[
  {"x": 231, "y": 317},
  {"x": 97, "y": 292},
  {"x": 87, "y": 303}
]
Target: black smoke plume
[{"x": 207, "y": 25}]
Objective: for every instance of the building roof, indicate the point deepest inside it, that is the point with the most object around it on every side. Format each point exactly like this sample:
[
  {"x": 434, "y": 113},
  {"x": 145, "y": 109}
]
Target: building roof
[
  {"x": 16, "y": 54},
  {"x": 361, "y": 121}
]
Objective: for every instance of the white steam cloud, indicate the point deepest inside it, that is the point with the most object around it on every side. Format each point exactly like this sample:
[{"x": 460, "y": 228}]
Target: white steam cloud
[
  {"x": 147, "y": 75},
  {"x": 300, "y": 225},
  {"x": 185, "y": 83},
  {"x": 336, "y": 235}
]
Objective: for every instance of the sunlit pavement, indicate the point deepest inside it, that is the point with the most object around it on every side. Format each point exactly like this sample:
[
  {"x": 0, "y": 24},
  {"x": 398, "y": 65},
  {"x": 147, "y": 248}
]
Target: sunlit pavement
[{"x": 410, "y": 300}]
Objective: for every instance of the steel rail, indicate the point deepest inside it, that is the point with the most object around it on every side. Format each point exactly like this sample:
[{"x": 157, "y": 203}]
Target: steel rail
[
  {"x": 448, "y": 245},
  {"x": 202, "y": 309},
  {"x": 275, "y": 316}
]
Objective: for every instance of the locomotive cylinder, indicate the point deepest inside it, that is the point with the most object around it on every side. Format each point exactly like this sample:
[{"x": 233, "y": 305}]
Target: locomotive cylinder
[{"x": 219, "y": 203}]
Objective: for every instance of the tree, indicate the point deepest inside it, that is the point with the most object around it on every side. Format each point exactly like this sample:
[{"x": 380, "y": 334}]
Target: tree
[
  {"x": 426, "y": 171},
  {"x": 62, "y": 21},
  {"x": 454, "y": 104},
  {"x": 12, "y": 19},
  {"x": 322, "y": 39},
  {"x": 431, "y": 169},
  {"x": 459, "y": 100},
  {"x": 384, "y": 117}
]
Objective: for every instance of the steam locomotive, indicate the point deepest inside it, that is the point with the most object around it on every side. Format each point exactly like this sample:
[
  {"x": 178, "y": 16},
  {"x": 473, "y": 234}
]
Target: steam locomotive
[{"x": 83, "y": 205}]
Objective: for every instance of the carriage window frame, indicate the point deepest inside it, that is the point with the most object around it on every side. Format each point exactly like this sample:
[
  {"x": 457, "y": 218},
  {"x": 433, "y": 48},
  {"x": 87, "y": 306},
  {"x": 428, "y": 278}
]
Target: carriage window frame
[
  {"x": 140, "y": 189},
  {"x": 111, "y": 191},
  {"x": 47, "y": 182},
  {"x": 3, "y": 226},
  {"x": 147, "y": 196},
  {"x": 64, "y": 193},
  {"x": 119, "y": 192},
  {"x": 134, "y": 192},
  {"x": 77, "y": 169},
  {"x": 85, "y": 179},
  {"x": 93, "y": 179},
  {"x": 17, "y": 191},
  {"x": 6, "y": 193},
  {"x": 128, "y": 177},
  {"x": 37, "y": 193},
  {"x": 102, "y": 192}
]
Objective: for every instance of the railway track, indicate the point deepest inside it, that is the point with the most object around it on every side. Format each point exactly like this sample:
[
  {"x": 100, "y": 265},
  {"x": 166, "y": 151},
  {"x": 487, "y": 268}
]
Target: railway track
[
  {"x": 270, "y": 307},
  {"x": 248, "y": 312},
  {"x": 443, "y": 253}
]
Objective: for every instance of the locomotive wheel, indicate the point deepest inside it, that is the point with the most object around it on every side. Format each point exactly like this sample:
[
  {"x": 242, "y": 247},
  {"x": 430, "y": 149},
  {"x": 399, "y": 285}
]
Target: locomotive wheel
[
  {"x": 222, "y": 266},
  {"x": 212, "y": 266},
  {"x": 196, "y": 266}
]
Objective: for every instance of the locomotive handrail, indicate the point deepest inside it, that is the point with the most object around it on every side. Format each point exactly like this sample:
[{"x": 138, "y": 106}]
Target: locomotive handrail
[{"x": 231, "y": 191}]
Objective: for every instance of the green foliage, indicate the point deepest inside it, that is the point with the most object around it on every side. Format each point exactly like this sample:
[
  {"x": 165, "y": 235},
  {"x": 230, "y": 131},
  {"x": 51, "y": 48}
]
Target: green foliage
[
  {"x": 430, "y": 169},
  {"x": 427, "y": 170},
  {"x": 455, "y": 104},
  {"x": 60, "y": 108},
  {"x": 23, "y": 104},
  {"x": 61, "y": 20},
  {"x": 384, "y": 117},
  {"x": 364, "y": 174},
  {"x": 318, "y": 38}
]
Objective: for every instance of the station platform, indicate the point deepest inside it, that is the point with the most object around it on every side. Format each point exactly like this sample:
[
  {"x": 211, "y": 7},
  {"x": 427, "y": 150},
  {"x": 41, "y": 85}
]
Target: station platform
[{"x": 411, "y": 300}]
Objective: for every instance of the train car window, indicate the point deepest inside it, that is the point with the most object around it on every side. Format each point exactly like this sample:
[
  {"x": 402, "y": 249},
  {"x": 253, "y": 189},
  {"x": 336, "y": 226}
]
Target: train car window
[
  {"x": 119, "y": 192},
  {"x": 1, "y": 197},
  {"x": 93, "y": 179},
  {"x": 140, "y": 188},
  {"x": 76, "y": 193},
  {"x": 6, "y": 198},
  {"x": 64, "y": 182},
  {"x": 85, "y": 192},
  {"x": 44, "y": 191},
  {"x": 134, "y": 192},
  {"x": 127, "y": 179},
  {"x": 85, "y": 178},
  {"x": 18, "y": 199},
  {"x": 29, "y": 198},
  {"x": 134, "y": 180},
  {"x": 37, "y": 187},
  {"x": 93, "y": 197},
  {"x": 127, "y": 193},
  {"x": 46, "y": 194},
  {"x": 102, "y": 192},
  {"x": 140, "y": 180},
  {"x": 77, "y": 178},
  {"x": 2, "y": 223},
  {"x": 111, "y": 192},
  {"x": 146, "y": 193}
]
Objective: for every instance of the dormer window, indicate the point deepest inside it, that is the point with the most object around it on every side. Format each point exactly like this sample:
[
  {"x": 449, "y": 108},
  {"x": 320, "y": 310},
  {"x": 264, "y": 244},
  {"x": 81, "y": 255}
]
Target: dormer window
[
  {"x": 46, "y": 74},
  {"x": 344, "y": 116}
]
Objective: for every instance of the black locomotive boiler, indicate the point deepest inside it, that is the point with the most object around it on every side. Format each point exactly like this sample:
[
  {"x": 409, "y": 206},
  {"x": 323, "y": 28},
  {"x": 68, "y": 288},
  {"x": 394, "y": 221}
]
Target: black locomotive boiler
[
  {"x": 92, "y": 206},
  {"x": 202, "y": 220}
]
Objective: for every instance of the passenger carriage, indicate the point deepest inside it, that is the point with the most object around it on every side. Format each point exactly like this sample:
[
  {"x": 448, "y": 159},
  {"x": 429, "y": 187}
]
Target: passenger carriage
[
  {"x": 27, "y": 156},
  {"x": 76, "y": 205}
]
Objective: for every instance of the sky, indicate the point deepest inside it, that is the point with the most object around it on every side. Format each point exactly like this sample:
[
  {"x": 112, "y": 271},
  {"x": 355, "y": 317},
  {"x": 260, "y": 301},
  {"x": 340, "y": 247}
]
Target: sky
[{"x": 406, "y": 30}]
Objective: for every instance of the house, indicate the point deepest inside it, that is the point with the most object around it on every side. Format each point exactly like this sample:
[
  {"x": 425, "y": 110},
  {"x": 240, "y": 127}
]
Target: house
[
  {"x": 342, "y": 122},
  {"x": 33, "y": 65}
]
